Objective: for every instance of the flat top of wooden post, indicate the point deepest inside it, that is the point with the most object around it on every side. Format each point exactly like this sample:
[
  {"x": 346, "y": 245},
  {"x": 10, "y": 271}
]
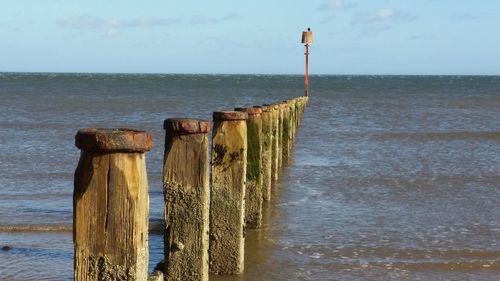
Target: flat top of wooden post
[
  {"x": 113, "y": 140},
  {"x": 185, "y": 126},
  {"x": 230, "y": 115},
  {"x": 272, "y": 106},
  {"x": 249, "y": 110},
  {"x": 264, "y": 107}
]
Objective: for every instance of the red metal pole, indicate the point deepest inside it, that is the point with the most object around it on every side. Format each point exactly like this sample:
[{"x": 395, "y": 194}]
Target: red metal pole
[{"x": 307, "y": 70}]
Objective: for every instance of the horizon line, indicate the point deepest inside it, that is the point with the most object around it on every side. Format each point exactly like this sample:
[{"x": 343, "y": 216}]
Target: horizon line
[{"x": 249, "y": 74}]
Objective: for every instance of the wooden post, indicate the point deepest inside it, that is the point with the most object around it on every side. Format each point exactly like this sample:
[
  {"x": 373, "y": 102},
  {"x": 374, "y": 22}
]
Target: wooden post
[
  {"x": 227, "y": 207},
  {"x": 275, "y": 154},
  {"x": 289, "y": 104},
  {"x": 110, "y": 205},
  {"x": 303, "y": 102},
  {"x": 298, "y": 104},
  {"x": 291, "y": 119},
  {"x": 286, "y": 132},
  {"x": 267, "y": 142},
  {"x": 294, "y": 104},
  {"x": 280, "y": 136},
  {"x": 290, "y": 128},
  {"x": 299, "y": 108},
  {"x": 253, "y": 188},
  {"x": 186, "y": 192}
]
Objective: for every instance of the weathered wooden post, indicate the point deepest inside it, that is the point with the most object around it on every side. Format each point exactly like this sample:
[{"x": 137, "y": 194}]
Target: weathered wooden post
[
  {"x": 303, "y": 103},
  {"x": 275, "y": 154},
  {"x": 291, "y": 126},
  {"x": 293, "y": 103},
  {"x": 289, "y": 104},
  {"x": 298, "y": 105},
  {"x": 111, "y": 204},
  {"x": 286, "y": 132},
  {"x": 227, "y": 207},
  {"x": 297, "y": 112},
  {"x": 187, "y": 199},
  {"x": 291, "y": 119},
  {"x": 267, "y": 142},
  {"x": 281, "y": 110},
  {"x": 253, "y": 188}
]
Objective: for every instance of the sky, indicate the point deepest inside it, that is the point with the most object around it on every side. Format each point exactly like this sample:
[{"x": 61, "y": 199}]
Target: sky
[{"x": 440, "y": 37}]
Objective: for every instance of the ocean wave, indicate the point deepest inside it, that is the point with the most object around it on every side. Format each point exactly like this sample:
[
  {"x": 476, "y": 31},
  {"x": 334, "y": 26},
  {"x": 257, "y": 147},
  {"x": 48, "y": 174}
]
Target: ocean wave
[
  {"x": 55, "y": 227},
  {"x": 155, "y": 227}
]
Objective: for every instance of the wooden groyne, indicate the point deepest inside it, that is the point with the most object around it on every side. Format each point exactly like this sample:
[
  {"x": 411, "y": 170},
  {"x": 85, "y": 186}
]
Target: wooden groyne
[{"x": 211, "y": 194}]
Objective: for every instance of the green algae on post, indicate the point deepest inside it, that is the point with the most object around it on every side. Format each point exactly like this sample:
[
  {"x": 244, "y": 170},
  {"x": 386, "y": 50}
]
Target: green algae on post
[
  {"x": 285, "y": 132},
  {"x": 253, "y": 189},
  {"x": 275, "y": 153},
  {"x": 280, "y": 136}
]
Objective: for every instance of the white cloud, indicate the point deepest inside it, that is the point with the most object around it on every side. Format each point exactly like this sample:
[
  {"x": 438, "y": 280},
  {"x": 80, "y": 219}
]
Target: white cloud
[
  {"x": 383, "y": 16},
  {"x": 198, "y": 19},
  {"x": 84, "y": 22},
  {"x": 334, "y": 5},
  {"x": 372, "y": 23},
  {"x": 111, "y": 27}
]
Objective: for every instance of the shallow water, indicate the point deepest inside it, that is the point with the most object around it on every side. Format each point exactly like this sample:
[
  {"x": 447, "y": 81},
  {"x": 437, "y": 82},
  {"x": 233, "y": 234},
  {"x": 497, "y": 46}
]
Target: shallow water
[{"x": 392, "y": 178}]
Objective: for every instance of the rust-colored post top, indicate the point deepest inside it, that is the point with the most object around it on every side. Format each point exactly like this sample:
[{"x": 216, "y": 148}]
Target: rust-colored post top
[
  {"x": 230, "y": 115},
  {"x": 113, "y": 140},
  {"x": 184, "y": 126},
  {"x": 249, "y": 110}
]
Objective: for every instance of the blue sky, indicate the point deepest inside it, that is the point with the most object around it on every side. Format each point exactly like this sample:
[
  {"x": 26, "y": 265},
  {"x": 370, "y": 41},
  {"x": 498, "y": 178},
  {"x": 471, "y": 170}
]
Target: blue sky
[{"x": 223, "y": 36}]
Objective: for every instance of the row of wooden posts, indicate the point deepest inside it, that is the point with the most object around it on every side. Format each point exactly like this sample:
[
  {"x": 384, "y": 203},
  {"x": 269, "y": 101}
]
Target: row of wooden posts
[{"x": 205, "y": 214}]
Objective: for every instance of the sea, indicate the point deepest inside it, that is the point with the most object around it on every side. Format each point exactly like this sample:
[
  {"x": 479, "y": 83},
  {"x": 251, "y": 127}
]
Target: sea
[{"x": 391, "y": 177}]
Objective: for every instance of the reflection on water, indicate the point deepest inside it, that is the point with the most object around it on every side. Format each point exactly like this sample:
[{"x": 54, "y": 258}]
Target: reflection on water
[{"x": 393, "y": 178}]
